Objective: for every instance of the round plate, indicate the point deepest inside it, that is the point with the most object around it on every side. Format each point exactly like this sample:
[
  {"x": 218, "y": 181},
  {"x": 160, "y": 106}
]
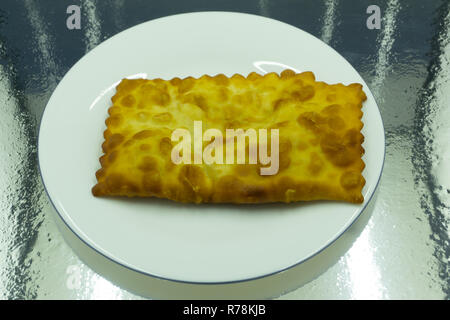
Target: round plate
[{"x": 184, "y": 242}]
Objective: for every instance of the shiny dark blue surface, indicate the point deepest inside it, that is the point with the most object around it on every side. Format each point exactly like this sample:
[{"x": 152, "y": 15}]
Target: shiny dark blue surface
[{"x": 404, "y": 250}]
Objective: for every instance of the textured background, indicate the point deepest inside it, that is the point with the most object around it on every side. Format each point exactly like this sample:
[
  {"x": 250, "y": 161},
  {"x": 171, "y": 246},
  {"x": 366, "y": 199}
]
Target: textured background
[{"x": 402, "y": 253}]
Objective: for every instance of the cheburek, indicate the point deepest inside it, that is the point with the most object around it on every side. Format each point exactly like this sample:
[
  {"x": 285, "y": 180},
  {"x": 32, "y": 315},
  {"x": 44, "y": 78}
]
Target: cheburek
[{"x": 319, "y": 138}]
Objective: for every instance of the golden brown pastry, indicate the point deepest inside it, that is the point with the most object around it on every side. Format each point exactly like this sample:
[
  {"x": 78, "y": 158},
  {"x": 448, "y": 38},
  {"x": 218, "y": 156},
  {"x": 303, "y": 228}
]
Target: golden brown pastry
[{"x": 319, "y": 128}]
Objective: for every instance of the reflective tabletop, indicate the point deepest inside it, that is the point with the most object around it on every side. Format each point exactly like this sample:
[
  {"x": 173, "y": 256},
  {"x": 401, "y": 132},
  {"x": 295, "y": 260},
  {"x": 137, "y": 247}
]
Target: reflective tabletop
[{"x": 400, "y": 47}]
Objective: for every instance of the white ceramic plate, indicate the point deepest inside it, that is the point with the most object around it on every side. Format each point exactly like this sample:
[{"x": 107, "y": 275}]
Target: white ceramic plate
[{"x": 193, "y": 243}]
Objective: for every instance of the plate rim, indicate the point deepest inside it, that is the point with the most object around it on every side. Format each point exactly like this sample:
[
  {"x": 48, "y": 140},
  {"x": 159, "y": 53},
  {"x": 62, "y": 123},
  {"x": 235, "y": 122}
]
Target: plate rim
[{"x": 329, "y": 242}]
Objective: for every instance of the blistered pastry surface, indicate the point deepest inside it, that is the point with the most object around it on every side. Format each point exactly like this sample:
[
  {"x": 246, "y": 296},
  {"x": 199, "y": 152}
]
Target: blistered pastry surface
[{"x": 319, "y": 138}]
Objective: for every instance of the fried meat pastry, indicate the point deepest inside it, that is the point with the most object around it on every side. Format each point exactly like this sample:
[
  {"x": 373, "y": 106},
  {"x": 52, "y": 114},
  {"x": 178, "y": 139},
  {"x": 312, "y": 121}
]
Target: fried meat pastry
[{"x": 319, "y": 139}]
